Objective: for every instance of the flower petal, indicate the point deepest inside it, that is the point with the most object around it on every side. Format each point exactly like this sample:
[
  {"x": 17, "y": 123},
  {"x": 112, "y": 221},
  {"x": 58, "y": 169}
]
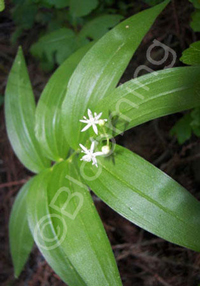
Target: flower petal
[
  {"x": 84, "y": 148},
  {"x": 92, "y": 146},
  {"x": 86, "y": 127},
  {"x": 98, "y": 154},
  {"x": 90, "y": 114},
  {"x": 95, "y": 128},
  {"x": 84, "y": 121},
  {"x": 98, "y": 116},
  {"x": 86, "y": 158}
]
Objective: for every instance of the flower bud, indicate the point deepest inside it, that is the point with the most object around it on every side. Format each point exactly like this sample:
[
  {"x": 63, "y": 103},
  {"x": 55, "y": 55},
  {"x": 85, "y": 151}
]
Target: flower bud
[
  {"x": 105, "y": 149},
  {"x": 101, "y": 122}
]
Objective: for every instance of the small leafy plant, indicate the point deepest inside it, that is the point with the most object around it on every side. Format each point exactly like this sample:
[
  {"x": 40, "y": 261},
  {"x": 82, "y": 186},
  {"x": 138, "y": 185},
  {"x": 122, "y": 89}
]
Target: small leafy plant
[
  {"x": 195, "y": 23},
  {"x": 81, "y": 109},
  {"x": 65, "y": 25},
  {"x": 190, "y": 122}
]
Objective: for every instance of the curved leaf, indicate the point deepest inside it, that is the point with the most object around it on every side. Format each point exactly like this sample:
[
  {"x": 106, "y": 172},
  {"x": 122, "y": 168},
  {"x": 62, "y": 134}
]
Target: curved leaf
[
  {"x": 68, "y": 230},
  {"x": 21, "y": 240},
  {"x": 100, "y": 70},
  {"x": 20, "y": 117},
  {"x": 146, "y": 196},
  {"x": 151, "y": 96},
  {"x": 48, "y": 125}
]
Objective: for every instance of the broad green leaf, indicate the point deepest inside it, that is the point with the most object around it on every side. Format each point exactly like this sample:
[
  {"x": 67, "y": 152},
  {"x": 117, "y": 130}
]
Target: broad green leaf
[
  {"x": 97, "y": 27},
  {"x": 191, "y": 56},
  {"x": 68, "y": 230},
  {"x": 58, "y": 44},
  {"x": 100, "y": 70},
  {"x": 20, "y": 117},
  {"x": 79, "y": 8},
  {"x": 151, "y": 96},
  {"x": 21, "y": 240},
  {"x": 195, "y": 24},
  {"x": 2, "y": 5},
  {"x": 48, "y": 125},
  {"x": 182, "y": 129},
  {"x": 146, "y": 196}
]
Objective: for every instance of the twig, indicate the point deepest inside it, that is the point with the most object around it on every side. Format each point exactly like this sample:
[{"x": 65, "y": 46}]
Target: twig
[
  {"x": 145, "y": 243},
  {"x": 15, "y": 183}
]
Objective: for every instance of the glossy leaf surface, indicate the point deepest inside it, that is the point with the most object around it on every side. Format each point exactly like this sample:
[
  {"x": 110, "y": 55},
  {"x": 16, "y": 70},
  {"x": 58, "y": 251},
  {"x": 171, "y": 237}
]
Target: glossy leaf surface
[
  {"x": 151, "y": 96},
  {"x": 21, "y": 240},
  {"x": 100, "y": 70},
  {"x": 20, "y": 117},
  {"x": 68, "y": 230},
  {"x": 48, "y": 124},
  {"x": 146, "y": 196}
]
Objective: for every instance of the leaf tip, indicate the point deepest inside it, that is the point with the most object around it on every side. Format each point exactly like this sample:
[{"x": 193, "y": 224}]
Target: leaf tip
[{"x": 19, "y": 55}]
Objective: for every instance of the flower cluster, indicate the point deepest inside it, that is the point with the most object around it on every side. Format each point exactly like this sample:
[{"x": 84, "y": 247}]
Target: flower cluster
[{"x": 93, "y": 121}]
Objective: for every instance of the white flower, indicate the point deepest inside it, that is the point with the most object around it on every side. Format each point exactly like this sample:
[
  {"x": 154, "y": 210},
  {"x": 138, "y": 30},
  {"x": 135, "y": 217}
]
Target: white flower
[
  {"x": 89, "y": 154},
  {"x": 92, "y": 121}
]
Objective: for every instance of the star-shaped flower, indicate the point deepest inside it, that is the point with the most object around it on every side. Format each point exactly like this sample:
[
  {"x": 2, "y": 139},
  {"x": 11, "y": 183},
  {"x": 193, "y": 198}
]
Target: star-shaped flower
[
  {"x": 92, "y": 121},
  {"x": 89, "y": 154}
]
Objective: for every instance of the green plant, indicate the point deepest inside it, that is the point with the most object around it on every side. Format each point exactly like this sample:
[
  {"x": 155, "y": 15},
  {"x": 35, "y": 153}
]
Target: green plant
[
  {"x": 190, "y": 122},
  {"x": 65, "y": 25},
  {"x": 195, "y": 23},
  {"x": 55, "y": 208},
  {"x": 2, "y": 5}
]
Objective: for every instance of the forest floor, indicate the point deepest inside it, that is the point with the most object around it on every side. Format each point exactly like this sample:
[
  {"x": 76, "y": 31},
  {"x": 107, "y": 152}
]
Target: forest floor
[{"x": 143, "y": 259}]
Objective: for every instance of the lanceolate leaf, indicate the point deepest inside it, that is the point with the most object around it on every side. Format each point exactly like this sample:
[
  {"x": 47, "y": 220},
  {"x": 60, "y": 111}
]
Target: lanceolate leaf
[
  {"x": 100, "y": 70},
  {"x": 48, "y": 125},
  {"x": 20, "y": 117},
  {"x": 146, "y": 196},
  {"x": 151, "y": 96},
  {"x": 21, "y": 240},
  {"x": 68, "y": 230}
]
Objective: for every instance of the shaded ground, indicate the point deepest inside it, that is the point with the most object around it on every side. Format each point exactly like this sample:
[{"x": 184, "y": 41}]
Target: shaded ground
[{"x": 143, "y": 259}]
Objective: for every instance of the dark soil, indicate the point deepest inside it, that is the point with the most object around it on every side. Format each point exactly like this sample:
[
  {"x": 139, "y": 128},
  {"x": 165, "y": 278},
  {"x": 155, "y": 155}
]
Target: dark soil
[{"x": 142, "y": 258}]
